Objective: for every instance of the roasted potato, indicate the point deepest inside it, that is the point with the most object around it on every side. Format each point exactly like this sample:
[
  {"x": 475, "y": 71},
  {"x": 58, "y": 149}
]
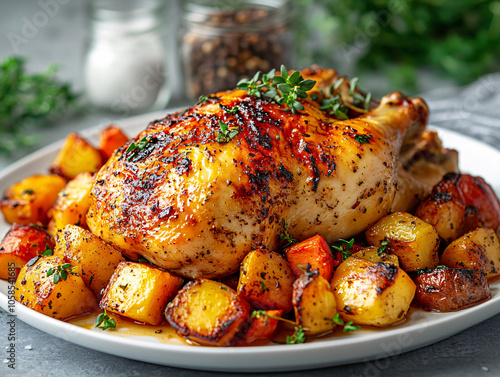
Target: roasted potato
[
  {"x": 415, "y": 242},
  {"x": 140, "y": 291},
  {"x": 445, "y": 289},
  {"x": 208, "y": 312},
  {"x": 262, "y": 326},
  {"x": 20, "y": 245},
  {"x": 459, "y": 204},
  {"x": 370, "y": 293},
  {"x": 29, "y": 200},
  {"x": 93, "y": 259},
  {"x": 479, "y": 250},
  {"x": 38, "y": 288},
  {"x": 314, "y": 252},
  {"x": 374, "y": 254},
  {"x": 76, "y": 156},
  {"x": 110, "y": 139},
  {"x": 72, "y": 204},
  {"x": 266, "y": 280},
  {"x": 314, "y": 303}
]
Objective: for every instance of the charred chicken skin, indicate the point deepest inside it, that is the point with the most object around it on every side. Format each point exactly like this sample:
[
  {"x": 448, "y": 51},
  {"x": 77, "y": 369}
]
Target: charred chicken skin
[{"x": 197, "y": 190}]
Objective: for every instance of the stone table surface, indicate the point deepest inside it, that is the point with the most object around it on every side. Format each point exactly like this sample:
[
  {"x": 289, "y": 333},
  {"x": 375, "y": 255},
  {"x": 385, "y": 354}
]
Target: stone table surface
[{"x": 473, "y": 352}]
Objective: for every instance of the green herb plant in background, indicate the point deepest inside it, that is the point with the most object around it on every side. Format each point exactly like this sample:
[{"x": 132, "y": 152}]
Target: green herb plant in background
[
  {"x": 29, "y": 101},
  {"x": 457, "y": 38}
]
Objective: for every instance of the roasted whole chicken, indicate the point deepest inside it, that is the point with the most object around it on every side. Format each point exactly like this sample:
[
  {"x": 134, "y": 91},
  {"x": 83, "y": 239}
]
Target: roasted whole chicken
[{"x": 197, "y": 190}]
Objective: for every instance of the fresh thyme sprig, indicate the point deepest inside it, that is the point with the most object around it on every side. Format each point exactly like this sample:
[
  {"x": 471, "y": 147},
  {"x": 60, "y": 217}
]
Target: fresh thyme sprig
[
  {"x": 60, "y": 272},
  {"x": 337, "y": 106},
  {"x": 362, "y": 139},
  {"x": 232, "y": 110},
  {"x": 333, "y": 106},
  {"x": 30, "y": 101},
  {"x": 358, "y": 99},
  {"x": 263, "y": 314},
  {"x": 136, "y": 147},
  {"x": 48, "y": 250},
  {"x": 383, "y": 247},
  {"x": 105, "y": 320},
  {"x": 348, "y": 326},
  {"x": 286, "y": 236},
  {"x": 298, "y": 336},
  {"x": 252, "y": 86},
  {"x": 344, "y": 248},
  {"x": 284, "y": 89},
  {"x": 226, "y": 132}
]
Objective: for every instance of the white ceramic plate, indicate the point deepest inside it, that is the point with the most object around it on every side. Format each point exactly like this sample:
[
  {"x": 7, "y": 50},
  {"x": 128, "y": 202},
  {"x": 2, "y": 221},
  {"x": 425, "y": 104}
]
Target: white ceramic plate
[{"x": 422, "y": 329}]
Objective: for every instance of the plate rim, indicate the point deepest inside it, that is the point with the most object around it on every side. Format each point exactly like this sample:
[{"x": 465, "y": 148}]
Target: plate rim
[{"x": 293, "y": 357}]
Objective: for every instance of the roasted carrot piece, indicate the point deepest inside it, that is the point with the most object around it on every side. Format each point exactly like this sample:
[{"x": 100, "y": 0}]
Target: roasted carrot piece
[
  {"x": 110, "y": 139},
  {"x": 313, "y": 251},
  {"x": 262, "y": 327}
]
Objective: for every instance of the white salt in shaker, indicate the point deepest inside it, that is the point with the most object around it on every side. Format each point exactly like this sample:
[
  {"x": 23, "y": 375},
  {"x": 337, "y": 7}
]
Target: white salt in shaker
[{"x": 126, "y": 63}]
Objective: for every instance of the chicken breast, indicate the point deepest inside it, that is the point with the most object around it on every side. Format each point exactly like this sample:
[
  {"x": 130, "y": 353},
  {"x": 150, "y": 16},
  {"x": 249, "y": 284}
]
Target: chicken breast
[{"x": 194, "y": 199}]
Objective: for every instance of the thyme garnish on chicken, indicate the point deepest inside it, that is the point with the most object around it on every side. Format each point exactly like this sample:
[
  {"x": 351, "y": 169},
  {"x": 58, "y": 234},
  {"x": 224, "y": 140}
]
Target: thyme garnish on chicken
[{"x": 283, "y": 89}]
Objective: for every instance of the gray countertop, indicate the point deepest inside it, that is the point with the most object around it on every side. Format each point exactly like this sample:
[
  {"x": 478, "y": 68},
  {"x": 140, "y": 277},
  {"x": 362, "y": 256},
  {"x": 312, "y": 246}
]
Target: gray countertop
[{"x": 473, "y": 352}]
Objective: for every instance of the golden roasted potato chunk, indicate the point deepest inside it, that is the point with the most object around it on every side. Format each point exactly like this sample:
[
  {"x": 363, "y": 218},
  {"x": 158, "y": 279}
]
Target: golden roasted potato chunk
[
  {"x": 110, "y": 139},
  {"x": 208, "y": 312},
  {"x": 140, "y": 291},
  {"x": 370, "y": 293},
  {"x": 375, "y": 254},
  {"x": 19, "y": 246},
  {"x": 48, "y": 285},
  {"x": 445, "y": 289},
  {"x": 72, "y": 204},
  {"x": 266, "y": 280},
  {"x": 314, "y": 303},
  {"x": 76, "y": 156},
  {"x": 93, "y": 259},
  {"x": 29, "y": 200},
  {"x": 478, "y": 250},
  {"x": 415, "y": 242}
]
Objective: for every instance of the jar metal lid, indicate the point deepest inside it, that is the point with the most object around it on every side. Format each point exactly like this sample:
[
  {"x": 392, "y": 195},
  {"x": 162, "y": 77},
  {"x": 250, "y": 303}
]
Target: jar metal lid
[
  {"x": 127, "y": 16},
  {"x": 229, "y": 16}
]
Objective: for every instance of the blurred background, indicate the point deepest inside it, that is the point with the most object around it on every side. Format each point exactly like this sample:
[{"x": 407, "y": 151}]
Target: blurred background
[{"x": 81, "y": 63}]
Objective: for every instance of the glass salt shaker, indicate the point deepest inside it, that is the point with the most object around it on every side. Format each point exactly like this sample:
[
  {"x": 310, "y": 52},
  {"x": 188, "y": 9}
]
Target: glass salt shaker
[
  {"x": 126, "y": 63},
  {"x": 223, "y": 41}
]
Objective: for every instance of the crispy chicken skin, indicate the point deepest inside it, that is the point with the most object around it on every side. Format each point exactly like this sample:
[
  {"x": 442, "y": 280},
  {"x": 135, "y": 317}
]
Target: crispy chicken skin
[{"x": 196, "y": 206}]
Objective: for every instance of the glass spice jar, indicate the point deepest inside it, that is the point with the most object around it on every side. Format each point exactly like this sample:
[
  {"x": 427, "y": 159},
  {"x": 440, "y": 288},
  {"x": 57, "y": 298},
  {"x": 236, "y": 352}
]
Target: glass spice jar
[
  {"x": 126, "y": 62},
  {"x": 223, "y": 41}
]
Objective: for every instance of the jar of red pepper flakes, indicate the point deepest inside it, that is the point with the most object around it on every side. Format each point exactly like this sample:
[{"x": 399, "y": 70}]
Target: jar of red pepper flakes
[{"x": 223, "y": 41}]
